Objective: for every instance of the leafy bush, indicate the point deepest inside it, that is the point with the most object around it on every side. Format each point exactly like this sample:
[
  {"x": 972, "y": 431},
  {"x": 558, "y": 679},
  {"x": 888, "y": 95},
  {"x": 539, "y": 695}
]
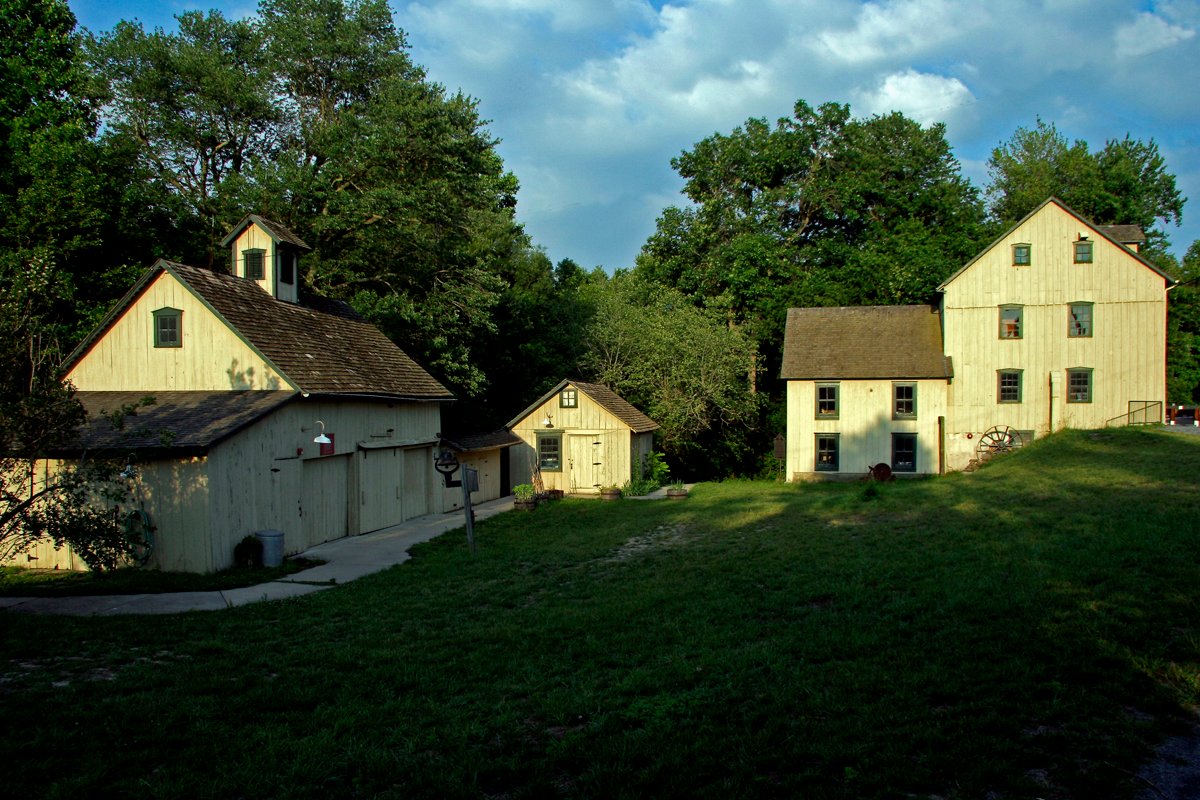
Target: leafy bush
[
  {"x": 639, "y": 487},
  {"x": 523, "y": 493},
  {"x": 654, "y": 467}
]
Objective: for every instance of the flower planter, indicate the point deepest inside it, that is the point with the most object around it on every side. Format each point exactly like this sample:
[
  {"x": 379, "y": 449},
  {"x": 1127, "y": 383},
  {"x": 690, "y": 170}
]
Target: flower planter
[
  {"x": 610, "y": 494},
  {"x": 525, "y": 505},
  {"x": 677, "y": 494}
]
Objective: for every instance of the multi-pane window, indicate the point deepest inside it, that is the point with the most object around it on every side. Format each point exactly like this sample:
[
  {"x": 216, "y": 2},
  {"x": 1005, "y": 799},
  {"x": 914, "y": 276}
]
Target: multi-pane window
[
  {"x": 1009, "y": 386},
  {"x": 168, "y": 327},
  {"x": 1083, "y": 252},
  {"x": 1079, "y": 321},
  {"x": 567, "y": 398},
  {"x": 904, "y": 452},
  {"x": 1079, "y": 386},
  {"x": 549, "y": 446},
  {"x": 1010, "y": 322},
  {"x": 253, "y": 260},
  {"x": 1022, "y": 255},
  {"x": 827, "y": 401},
  {"x": 827, "y": 452},
  {"x": 904, "y": 401}
]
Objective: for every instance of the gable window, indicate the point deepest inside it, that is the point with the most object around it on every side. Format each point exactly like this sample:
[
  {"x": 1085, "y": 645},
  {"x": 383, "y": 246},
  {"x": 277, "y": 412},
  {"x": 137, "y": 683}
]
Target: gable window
[
  {"x": 1010, "y": 322},
  {"x": 1022, "y": 255},
  {"x": 568, "y": 398},
  {"x": 1079, "y": 385},
  {"x": 1083, "y": 252},
  {"x": 827, "y": 452},
  {"x": 253, "y": 262},
  {"x": 1079, "y": 325},
  {"x": 1008, "y": 386},
  {"x": 168, "y": 327},
  {"x": 904, "y": 401},
  {"x": 827, "y": 401},
  {"x": 549, "y": 449},
  {"x": 287, "y": 268},
  {"x": 904, "y": 452}
]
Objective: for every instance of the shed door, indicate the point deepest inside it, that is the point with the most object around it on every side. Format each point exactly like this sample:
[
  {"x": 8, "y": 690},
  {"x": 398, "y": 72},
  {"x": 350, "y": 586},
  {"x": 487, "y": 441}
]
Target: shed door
[
  {"x": 380, "y": 489},
  {"x": 585, "y": 454},
  {"x": 324, "y": 506},
  {"x": 417, "y": 465}
]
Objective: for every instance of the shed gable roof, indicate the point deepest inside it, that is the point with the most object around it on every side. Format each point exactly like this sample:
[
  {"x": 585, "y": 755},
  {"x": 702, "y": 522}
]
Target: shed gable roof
[
  {"x": 863, "y": 342},
  {"x": 278, "y": 232},
  {"x": 604, "y": 397},
  {"x": 321, "y": 346}
]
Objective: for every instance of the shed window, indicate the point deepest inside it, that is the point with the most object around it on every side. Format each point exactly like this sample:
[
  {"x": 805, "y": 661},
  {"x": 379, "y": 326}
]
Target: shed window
[
  {"x": 904, "y": 452},
  {"x": 1022, "y": 255},
  {"x": 1009, "y": 386},
  {"x": 168, "y": 327},
  {"x": 253, "y": 261},
  {"x": 1010, "y": 322},
  {"x": 827, "y": 401},
  {"x": 904, "y": 401},
  {"x": 827, "y": 452},
  {"x": 568, "y": 398},
  {"x": 549, "y": 447},
  {"x": 1079, "y": 385},
  {"x": 1083, "y": 252},
  {"x": 1079, "y": 325}
]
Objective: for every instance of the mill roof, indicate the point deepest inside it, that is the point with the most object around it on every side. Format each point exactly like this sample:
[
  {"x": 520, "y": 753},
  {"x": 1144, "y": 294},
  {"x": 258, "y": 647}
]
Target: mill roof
[{"x": 864, "y": 342}]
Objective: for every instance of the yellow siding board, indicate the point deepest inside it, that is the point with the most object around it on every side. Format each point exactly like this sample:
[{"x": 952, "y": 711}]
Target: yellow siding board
[{"x": 212, "y": 358}]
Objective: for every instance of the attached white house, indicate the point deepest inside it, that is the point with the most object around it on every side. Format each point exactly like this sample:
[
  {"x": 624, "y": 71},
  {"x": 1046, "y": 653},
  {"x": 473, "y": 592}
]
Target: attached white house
[
  {"x": 246, "y": 374},
  {"x": 1058, "y": 323},
  {"x": 581, "y": 437}
]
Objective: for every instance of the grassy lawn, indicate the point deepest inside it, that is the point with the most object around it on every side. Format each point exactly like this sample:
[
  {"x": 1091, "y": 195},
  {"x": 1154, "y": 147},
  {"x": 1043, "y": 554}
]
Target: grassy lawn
[
  {"x": 18, "y": 582},
  {"x": 1031, "y": 630}
]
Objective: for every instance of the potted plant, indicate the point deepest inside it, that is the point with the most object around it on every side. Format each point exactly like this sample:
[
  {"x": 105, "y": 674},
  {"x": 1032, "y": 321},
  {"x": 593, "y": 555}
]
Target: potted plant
[
  {"x": 524, "y": 497},
  {"x": 676, "y": 491},
  {"x": 610, "y": 493}
]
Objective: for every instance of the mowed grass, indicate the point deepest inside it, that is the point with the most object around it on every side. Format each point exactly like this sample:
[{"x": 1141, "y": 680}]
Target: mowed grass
[{"x": 1031, "y": 630}]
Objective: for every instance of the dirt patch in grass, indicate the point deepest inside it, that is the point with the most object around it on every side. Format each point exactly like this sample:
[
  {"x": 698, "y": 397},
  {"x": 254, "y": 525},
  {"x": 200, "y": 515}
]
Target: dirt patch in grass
[{"x": 661, "y": 538}]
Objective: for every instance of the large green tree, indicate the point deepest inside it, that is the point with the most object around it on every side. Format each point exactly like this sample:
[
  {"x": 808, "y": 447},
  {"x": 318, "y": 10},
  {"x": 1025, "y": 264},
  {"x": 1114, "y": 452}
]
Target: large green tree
[
  {"x": 1125, "y": 183},
  {"x": 1183, "y": 331}
]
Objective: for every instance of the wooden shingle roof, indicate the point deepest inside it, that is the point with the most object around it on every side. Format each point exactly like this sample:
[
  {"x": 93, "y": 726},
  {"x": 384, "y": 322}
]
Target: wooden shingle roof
[
  {"x": 277, "y": 231},
  {"x": 864, "y": 342},
  {"x": 181, "y": 423},
  {"x": 320, "y": 346},
  {"x": 604, "y": 397}
]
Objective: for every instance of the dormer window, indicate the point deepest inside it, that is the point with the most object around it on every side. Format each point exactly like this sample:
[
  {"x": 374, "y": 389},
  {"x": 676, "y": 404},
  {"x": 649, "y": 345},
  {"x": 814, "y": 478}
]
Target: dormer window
[
  {"x": 168, "y": 327},
  {"x": 287, "y": 268},
  {"x": 253, "y": 262}
]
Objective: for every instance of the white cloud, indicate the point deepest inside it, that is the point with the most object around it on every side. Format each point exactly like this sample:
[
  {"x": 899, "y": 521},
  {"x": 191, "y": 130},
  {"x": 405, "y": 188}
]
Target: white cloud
[
  {"x": 887, "y": 30},
  {"x": 923, "y": 97},
  {"x": 1148, "y": 34}
]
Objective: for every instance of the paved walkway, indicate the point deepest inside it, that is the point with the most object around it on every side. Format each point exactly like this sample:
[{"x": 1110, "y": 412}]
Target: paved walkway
[{"x": 345, "y": 559}]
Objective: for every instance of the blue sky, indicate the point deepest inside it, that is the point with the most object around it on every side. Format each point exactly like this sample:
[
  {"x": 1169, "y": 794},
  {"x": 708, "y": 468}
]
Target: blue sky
[{"x": 592, "y": 98}]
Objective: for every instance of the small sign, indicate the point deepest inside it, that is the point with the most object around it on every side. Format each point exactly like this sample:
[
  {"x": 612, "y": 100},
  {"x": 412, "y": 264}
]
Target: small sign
[{"x": 780, "y": 446}]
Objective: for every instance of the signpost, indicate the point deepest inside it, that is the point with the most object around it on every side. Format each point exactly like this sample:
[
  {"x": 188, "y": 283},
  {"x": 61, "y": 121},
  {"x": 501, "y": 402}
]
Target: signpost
[{"x": 447, "y": 464}]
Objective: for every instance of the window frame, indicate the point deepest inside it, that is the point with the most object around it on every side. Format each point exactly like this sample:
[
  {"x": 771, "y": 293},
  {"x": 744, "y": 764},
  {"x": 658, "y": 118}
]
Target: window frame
[
  {"x": 568, "y": 398},
  {"x": 542, "y": 454},
  {"x": 162, "y": 315},
  {"x": 1022, "y": 254},
  {"x": 1086, "y": 372},
  {"x": 896, "y": 400},
  {"x": 833, "y": 465},
  {"x": 1073, "y": 326},
  {"x": 1085, "y": 244},
  {"x": 1020, "y": 326},
  {"x": 1000, "y": 387},
  {"x": 904, "y": 437},
  {"x": 835, "y": 400},
  {"x": 261, "y": 261}
]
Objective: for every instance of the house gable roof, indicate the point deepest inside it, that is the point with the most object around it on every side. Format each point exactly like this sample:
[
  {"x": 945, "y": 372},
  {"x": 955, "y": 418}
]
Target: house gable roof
[
  {"x": 604, "y": 397},
  {"x": 1111, "y": 233},
  {"x": 178, "y": 423},
  {"x": 321, "y": 346},
  {"x": 278, "y": 233},
  {"x": 864, "y": 342}
]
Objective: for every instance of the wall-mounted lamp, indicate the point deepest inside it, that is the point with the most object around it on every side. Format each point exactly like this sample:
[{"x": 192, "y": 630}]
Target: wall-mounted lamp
[
  {"x": 547, "y": 422},
  {"x": 321, "y": 438}
]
